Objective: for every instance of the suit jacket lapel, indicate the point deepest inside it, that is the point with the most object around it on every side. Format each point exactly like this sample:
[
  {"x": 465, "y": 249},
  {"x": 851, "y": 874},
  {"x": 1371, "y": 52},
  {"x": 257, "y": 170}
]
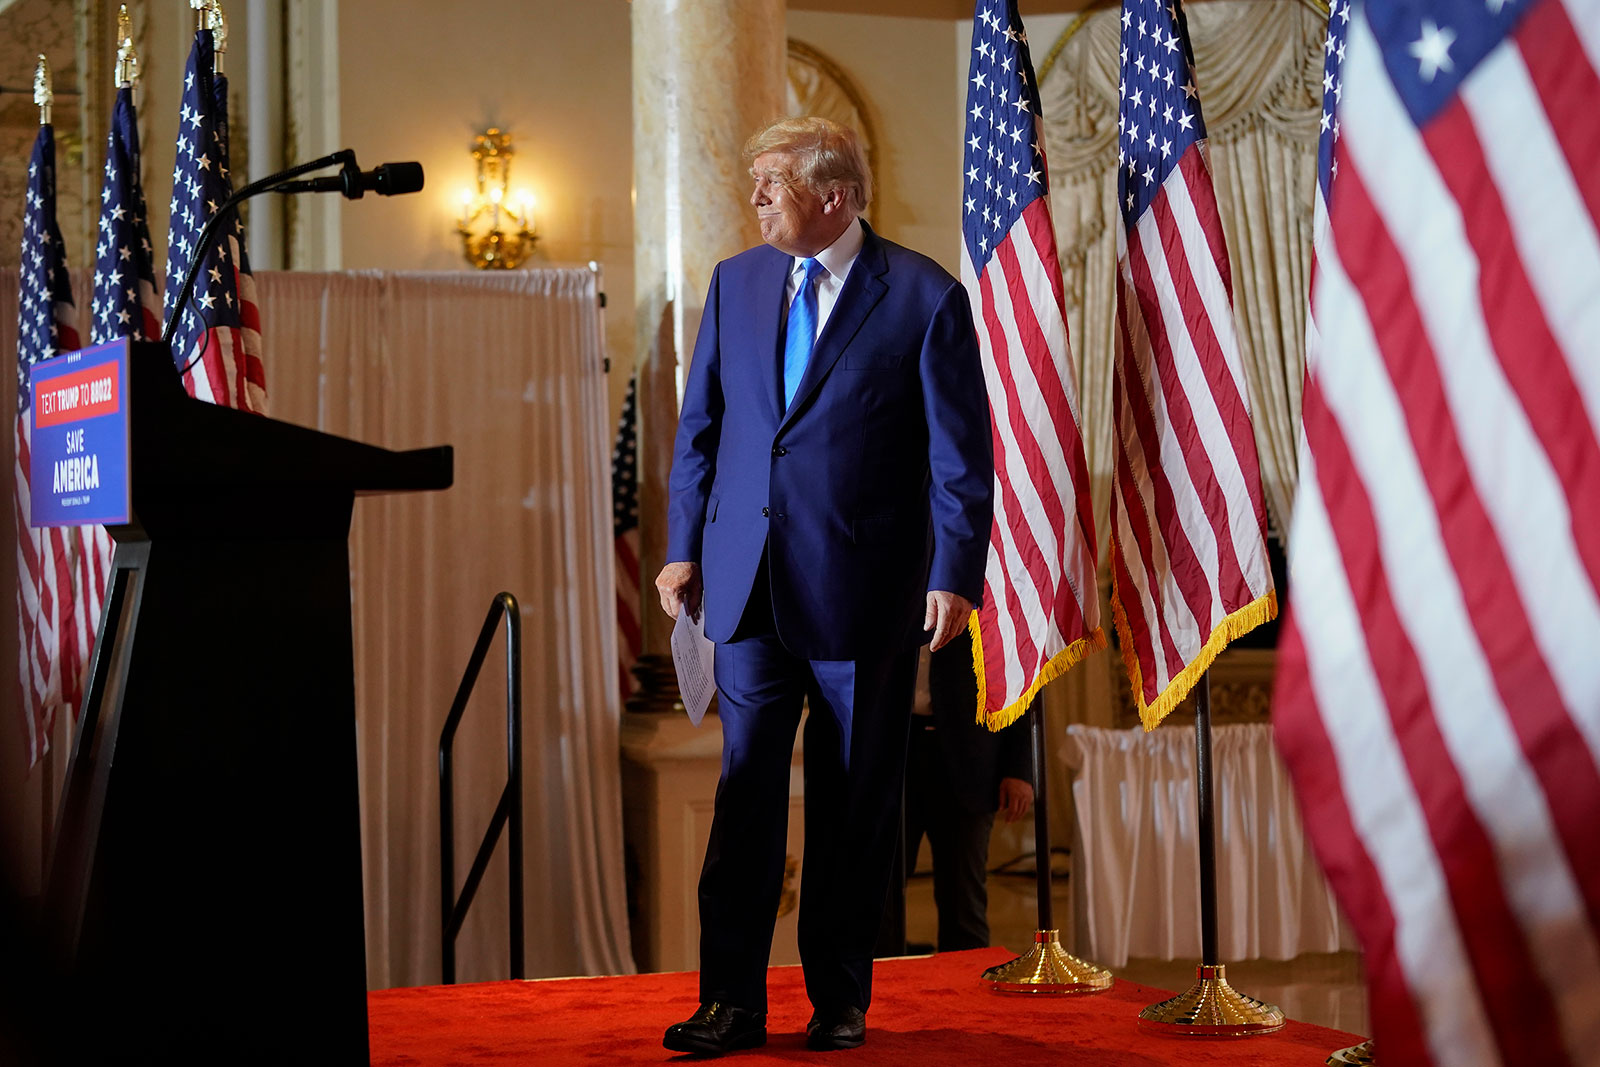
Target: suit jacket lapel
[
  {"x": 863, "y": 288},
  {"x": 765, "y": 295}
]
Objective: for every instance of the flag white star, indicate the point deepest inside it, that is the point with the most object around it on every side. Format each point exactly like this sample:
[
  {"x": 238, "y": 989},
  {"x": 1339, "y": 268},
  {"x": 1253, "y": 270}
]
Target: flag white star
[{"x": 1432, "y": 50}]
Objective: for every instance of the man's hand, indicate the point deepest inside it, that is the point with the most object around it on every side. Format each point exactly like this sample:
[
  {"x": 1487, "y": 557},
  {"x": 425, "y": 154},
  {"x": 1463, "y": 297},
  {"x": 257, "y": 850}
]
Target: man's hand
[
  {"x": 1016, "y": 797},
  {"x": 679, "y": 583},
  {"x": 946, "y": 616}
]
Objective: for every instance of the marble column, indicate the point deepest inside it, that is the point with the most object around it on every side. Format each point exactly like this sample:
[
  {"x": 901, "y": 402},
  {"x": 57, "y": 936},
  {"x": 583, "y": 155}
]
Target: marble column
[{"x": 706, "y": 75}]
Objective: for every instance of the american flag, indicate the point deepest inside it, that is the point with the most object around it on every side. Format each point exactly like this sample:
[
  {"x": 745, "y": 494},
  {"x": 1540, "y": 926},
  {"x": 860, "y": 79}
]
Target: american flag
[
  {"x": 625, "y": 531},
  {"x": 1438, "y": 693},
  {"x": 1041, "y": 605},
  {"x": 1189, "y": 558},
  {"x": 222, "y": 319},
  {"x": 45, "y": 558},
  {"x": 124, "y": 305}
]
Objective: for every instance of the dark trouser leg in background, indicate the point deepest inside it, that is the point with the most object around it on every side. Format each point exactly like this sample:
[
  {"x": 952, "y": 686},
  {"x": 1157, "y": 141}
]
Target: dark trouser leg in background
[{"x": 960, "y": 844}]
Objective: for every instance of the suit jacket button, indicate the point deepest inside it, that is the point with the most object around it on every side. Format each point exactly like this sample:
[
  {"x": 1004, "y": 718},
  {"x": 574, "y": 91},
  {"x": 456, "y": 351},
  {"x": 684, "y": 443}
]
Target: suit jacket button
[
  {"x": 765, "y": 512},
  {"x": 779, "y": 450}
]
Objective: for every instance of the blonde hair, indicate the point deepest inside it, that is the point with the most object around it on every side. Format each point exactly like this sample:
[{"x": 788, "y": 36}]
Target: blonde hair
[{"x": 829, "y": 156}]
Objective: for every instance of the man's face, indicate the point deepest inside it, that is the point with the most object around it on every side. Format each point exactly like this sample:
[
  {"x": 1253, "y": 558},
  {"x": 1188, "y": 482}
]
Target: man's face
[{"x": 793, "y": 219}]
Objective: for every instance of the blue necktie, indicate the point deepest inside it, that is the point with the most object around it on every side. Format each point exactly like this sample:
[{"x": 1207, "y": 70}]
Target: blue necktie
[{"x": 801, "y": 336}]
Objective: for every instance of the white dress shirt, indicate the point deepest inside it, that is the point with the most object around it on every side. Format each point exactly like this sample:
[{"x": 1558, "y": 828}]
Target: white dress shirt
[{"x": 836, "y": 260}]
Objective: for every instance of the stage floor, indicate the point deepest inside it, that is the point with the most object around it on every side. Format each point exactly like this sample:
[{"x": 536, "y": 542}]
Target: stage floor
[{"x": 926, "y": 1012}]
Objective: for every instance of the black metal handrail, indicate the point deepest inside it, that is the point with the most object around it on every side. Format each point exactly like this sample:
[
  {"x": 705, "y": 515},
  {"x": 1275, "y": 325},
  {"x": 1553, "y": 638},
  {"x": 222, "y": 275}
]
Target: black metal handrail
[{"x": 453, "y": 909}]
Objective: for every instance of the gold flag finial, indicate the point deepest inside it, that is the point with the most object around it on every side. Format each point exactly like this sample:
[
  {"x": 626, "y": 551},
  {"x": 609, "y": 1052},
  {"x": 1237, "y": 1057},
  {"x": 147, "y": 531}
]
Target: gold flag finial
[
  {"x": 199, "y": 7},
  {"x": 43, "y": 95},
  {"x": 217, "y": 22},
  {"x": 127, "y": 58}
]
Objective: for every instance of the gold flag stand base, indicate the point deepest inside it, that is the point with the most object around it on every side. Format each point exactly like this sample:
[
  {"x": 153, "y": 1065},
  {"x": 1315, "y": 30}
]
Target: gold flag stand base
[
  {"x": 1355, "y": 1056},
  {"x": 1047, "y": 968},
  {"x": 1211, "y": 1008}
]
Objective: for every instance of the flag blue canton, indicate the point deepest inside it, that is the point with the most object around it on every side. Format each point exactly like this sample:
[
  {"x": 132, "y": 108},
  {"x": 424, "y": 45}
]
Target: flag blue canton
[
  {"x": 1430, "y": 46},
  {"x": 625, "y": 465},
  {"x": 45, "y": 283},
  {"x": 200, "y": 185},
  {"x": 124, "y": 259},
  {"x": 219, "y": 98},
  {"x": 1332, "y": 90},
  {"x": 1159, "y": 118},
  {"x": 1004, "y": 167}
]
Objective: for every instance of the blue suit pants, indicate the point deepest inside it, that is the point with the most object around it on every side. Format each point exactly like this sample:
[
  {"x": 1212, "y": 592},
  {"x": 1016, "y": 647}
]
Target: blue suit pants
[{"x": 855, "y": 750}]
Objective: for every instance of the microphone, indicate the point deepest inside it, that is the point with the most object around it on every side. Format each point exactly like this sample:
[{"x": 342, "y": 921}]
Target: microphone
[{"x": 386, "y": 179}]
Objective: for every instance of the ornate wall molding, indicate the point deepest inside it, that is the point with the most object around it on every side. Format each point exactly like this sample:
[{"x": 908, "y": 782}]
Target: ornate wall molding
[{"x": 819, "y": 86}]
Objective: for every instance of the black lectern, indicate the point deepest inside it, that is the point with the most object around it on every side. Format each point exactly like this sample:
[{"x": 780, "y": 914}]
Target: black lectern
[{"x": 205, "y": 884}]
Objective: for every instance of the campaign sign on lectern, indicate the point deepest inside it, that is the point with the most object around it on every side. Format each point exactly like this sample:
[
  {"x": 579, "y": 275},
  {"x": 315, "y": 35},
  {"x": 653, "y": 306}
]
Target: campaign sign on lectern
[{"x": 80, "y": 438}]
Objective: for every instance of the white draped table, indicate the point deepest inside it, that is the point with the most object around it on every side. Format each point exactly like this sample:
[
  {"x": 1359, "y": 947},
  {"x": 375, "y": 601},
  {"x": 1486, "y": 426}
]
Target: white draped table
[{"x": 1136, "y": 868}]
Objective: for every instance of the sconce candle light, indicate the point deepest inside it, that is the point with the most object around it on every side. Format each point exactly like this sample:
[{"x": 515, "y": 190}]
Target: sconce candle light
[{"x": 509, "y": 237}]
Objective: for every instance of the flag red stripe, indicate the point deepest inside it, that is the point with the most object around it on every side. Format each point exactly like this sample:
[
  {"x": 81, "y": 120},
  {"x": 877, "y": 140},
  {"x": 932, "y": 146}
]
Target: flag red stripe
[
  {"x": 1037, "y": 356},
  {"x": 627, "y": 559},
  {"x": 1187, "y": 572},
  {"x": 1035, "y": 348},
  {"x": 1551, "y": 741},
  {"x": 994, "y": 648},
  {"x": 1568, "y": 86},
  {"x": 1145, "y": 630},
  {"x": 1042, "y": 232},
  {"x": 1378, "y": 271},
  {"x": 1302, "y": 738},
  {"x": 1139, "y": 628},
  {"x": 1067, "y": 613},
  {"x": 1229, "y": 576},
  {"x": 67, "y": 614},
  {"x": 628, "y": 623},
  {"x": 1062, "y": 603},
  {"x": 1203, "y": 194},
  {"x": 1027, "y": 550},
  {"x": 1023, "y": 650},
  {"x": 1231, "y": 405},
  {"x": 1037, "y": 217},
  {"x": 1020, "y": 532},
  {"x": 1515, "y": 999}
]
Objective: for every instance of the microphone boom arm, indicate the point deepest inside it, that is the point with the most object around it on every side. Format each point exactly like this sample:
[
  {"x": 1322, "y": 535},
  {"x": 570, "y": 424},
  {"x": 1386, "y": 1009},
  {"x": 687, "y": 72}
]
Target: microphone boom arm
[{"x": 345, "y": 157}]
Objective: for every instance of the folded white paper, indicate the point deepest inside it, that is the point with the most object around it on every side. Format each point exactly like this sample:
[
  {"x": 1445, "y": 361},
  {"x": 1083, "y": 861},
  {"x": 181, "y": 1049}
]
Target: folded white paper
[{"x": 693, "y": 655}]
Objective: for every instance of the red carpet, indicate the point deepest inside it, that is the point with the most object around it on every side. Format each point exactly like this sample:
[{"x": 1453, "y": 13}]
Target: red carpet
[{"x": 925, "y": 1013}]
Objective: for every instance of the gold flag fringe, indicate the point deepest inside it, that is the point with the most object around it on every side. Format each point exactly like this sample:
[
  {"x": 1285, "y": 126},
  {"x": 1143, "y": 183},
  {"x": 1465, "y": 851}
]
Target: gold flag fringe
[
  {"x": 1058, "y": 665},
  {"x": 1262, "y": 609}
]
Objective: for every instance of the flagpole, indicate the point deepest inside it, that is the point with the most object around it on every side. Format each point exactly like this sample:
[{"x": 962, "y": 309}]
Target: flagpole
[
  {"x": 1047, "y": 967},
  {"x": 1211, "y": 1007}
]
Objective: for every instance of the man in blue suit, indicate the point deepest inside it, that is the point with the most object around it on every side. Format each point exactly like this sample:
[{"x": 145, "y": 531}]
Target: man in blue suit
[{"x": 830, "y": 491}]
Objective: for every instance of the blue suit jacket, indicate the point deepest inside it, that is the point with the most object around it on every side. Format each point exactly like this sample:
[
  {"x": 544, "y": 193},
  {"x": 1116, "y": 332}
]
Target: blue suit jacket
[{"x": 873, "y": 488}]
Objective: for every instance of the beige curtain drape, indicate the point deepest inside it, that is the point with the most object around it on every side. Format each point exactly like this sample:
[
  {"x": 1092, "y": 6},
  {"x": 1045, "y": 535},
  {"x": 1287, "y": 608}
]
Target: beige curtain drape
[
  {"x": 1259, "y": 67},
  {"x": 507, "y": 368}
]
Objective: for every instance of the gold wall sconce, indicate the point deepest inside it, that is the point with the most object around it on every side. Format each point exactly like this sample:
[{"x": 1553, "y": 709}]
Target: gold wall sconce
[{"x": 496, "y": 223}]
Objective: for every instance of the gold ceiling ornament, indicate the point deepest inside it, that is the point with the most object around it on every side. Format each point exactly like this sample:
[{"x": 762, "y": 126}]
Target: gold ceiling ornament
[
  {"x": 510, "y": 237},
  {"x": 43, "y": 94},
  {"x": 127, "y": 58},
  {"x": 217, "y": 23}
]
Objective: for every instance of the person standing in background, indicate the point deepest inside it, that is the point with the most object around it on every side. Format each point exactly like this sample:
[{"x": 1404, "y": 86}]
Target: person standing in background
[{"x": 959, "y": 777}]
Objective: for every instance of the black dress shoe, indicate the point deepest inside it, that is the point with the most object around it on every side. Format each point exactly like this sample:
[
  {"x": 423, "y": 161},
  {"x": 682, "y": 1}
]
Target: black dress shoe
[
  {"x": 836, "y": 1028},
  {"x": 717, "y": 1028}
]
